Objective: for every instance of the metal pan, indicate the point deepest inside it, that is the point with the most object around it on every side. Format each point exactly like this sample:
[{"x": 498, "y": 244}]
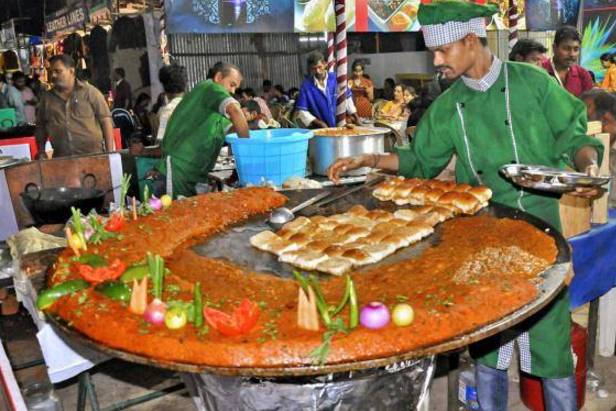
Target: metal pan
[
  {"x": 552, "y": 284},
  {"x": 53, "y": 205}
]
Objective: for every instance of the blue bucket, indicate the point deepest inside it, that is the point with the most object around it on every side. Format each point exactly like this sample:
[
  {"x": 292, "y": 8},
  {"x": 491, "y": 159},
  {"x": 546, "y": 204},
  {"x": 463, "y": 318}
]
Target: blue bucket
[{"x": 271, "y": 155}]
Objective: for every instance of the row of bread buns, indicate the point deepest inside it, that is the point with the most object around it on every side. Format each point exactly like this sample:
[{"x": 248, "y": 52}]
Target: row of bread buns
[
  {"x": 337, "y": 243},
  {"x": 460, "y": 198}
]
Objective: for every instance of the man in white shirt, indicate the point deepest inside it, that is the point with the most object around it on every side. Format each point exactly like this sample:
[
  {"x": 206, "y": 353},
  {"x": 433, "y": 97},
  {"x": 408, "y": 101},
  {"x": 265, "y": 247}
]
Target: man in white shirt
[{"x": 173, "y": 79}]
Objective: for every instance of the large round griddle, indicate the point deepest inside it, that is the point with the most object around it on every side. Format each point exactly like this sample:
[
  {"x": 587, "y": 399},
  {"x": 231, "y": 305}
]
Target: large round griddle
[{"x": 244, "y": 255}]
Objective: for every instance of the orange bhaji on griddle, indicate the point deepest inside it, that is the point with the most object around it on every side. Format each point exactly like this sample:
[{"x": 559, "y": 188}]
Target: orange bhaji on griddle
[{"x": 443, "y": 309}]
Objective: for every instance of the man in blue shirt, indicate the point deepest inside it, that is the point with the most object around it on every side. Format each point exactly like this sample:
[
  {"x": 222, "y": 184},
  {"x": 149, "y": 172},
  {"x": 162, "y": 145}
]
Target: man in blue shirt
[{"x": 316, "y": 104}]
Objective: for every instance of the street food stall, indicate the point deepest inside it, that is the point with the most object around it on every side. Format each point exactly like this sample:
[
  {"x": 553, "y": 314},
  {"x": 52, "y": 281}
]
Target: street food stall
[{"x": 263, "y": 346}]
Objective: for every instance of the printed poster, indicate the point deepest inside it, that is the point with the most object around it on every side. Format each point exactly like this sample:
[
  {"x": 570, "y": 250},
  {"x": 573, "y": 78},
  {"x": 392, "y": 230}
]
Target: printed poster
[
  {"x": 599, "y": 34},
  {"x": 542, "y": 15},
  {"x": 318, "y": 16},
  {"x": 229, "y": 16}
]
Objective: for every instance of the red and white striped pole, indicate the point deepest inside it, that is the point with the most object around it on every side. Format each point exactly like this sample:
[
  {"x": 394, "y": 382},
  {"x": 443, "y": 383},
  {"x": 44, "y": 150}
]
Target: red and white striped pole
[
  {"x": 341, "y": 62},
  {"x": 331, "y": 52},
  {"x": 513, "y": 23}
]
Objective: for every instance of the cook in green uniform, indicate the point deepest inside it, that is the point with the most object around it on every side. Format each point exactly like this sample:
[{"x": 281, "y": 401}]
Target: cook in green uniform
[
  {"x": 498, "y": 113},
  {"x": 196, "y": 130}
]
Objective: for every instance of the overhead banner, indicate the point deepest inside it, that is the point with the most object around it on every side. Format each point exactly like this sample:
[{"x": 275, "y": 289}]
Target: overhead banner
[
  {"x": 229, "y": 16},
  {"x": 599, "y": 34},
  {"x": 99, "y": 12},
  {"x": 543, "y": 15},
  {"x": 317, "y": 16},
  {"x": 8, "y": 39},
  {"x": 65, "y": 21}
]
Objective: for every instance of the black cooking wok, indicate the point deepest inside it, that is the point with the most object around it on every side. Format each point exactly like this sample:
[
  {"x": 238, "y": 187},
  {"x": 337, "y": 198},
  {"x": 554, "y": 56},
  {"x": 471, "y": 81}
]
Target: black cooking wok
[{"x": 53, "y": 205}]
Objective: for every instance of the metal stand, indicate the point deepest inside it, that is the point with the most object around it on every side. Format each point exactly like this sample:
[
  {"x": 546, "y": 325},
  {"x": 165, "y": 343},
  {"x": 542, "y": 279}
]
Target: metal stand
[
  {"x": 453, "y": 377},
  {"x": 593, "y": 380},
  {"x": 87, "y": 391},
  {"x": 86, "y": 387}
]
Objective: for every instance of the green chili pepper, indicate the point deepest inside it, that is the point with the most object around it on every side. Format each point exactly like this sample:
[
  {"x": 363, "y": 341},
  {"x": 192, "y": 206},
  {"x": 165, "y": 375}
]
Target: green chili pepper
[
  {"x": 116, "y": 290},
  {"x": 93, "y": 260},
  {"x": 135, "y": 272},
  {"x": 345, "y": 297},
  {"x": 354, "y": 308},
  {"x": 155, "y": 264},
  {"x": 321, "y": 304},
  {"x": 198, "y": 306},
  {"x": 49, "y": 296},
  {"x": 301, "y": 280}
]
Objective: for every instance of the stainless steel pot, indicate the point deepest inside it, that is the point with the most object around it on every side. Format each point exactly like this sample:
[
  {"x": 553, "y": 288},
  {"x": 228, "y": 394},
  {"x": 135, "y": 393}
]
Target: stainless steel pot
[{"x": 324, "y": 149}]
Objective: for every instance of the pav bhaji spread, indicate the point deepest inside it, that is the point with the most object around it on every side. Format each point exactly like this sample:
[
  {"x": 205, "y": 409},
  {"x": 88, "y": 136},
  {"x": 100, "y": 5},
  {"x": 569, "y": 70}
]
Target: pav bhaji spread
[{"x": 140, "y": 287}]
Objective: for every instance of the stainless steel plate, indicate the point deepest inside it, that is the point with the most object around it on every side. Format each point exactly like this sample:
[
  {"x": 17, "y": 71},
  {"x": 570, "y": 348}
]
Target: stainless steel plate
[{"x": 550, "y": 179}]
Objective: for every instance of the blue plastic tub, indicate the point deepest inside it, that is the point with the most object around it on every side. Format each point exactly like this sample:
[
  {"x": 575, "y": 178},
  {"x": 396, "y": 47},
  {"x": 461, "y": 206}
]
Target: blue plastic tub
[{"x": 271, "y": 155}]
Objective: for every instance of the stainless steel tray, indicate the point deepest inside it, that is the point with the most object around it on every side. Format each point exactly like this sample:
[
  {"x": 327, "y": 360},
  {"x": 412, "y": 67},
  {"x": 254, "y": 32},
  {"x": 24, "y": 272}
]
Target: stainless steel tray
[{"x": 550, "y": 179}]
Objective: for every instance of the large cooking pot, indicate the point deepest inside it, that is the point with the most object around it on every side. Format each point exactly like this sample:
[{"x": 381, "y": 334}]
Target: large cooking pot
[
  {"x": 53, "y": 205},
  {"x": 328, "y": 145}
]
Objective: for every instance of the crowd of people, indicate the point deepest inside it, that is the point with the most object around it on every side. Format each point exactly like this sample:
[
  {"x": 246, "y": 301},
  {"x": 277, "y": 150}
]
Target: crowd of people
[{"x": 79, "y": 119}]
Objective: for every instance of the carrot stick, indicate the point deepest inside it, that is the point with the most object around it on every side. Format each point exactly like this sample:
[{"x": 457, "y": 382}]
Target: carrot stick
[{"x": 134, "y": 208}]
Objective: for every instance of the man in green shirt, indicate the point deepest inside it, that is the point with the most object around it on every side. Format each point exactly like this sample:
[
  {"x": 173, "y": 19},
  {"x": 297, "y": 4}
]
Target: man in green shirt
[
  {"x": 197, "y": 128},
  {"x": 494, "y": 114}
]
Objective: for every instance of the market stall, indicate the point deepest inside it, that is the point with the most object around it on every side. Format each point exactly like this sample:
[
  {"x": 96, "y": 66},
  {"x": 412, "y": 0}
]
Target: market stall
[{"x": 263, "y": 358}]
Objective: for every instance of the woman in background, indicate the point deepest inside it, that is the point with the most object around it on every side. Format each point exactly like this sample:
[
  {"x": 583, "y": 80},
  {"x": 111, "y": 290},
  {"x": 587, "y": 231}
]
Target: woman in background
[
  {"x": 362, "y": 89},
  {"x": 609, "y": 81},
  {"x": 395, "y": 109}
]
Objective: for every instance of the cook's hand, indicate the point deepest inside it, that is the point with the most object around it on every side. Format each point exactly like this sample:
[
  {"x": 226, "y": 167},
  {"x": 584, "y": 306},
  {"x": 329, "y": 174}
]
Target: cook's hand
[
  {"x": 318, "y": 124},
  {"x": 345, "y": 164},
  {"x": 354, "y": 119},
  {"x": 152, "y": 174},
  {"x": 589, "y": 192}
]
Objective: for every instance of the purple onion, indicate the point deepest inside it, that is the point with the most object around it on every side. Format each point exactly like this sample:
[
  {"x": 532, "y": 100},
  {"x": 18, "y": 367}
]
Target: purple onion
[
  {"x": 155, "y": 203},
  {"x": 374, "y": 315},
  {"x": 155, "y": 312}
]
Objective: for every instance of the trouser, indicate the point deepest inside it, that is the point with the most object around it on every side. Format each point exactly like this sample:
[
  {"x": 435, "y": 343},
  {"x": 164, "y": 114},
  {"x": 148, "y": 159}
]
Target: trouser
[{"x": 559, "y": 394}]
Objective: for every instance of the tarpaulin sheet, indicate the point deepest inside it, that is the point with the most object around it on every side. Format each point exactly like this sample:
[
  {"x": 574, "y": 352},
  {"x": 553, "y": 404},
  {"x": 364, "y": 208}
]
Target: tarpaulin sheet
[{"x": 594, "y": 262}]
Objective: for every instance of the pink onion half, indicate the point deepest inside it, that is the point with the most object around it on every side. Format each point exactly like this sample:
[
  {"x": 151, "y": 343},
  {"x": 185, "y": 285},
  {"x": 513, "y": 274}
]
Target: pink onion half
[
  {"x": 155, "y": 312},
  {"x": 155, "y": 203},
  {"x": 374, "y": 315}
]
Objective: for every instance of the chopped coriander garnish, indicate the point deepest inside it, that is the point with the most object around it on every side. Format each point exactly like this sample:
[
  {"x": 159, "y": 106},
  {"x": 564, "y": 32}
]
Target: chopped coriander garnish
[{"x": 401, "y": 298}]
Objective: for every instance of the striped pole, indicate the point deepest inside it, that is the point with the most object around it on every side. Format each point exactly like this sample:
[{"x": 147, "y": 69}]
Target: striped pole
[
  {"x": 164, "y": 44},
  {"x": 513, "y": 23},
  {"x": 331, "y": 52},
  {"x": 341, "y": 62}
]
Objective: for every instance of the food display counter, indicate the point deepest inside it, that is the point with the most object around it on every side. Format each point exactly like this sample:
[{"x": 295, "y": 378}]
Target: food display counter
[{"x": 259, "y": 365}]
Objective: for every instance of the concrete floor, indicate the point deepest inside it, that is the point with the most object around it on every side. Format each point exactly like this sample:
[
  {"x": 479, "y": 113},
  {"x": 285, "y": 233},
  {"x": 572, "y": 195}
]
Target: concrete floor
[{"x": 117, "y": 380}]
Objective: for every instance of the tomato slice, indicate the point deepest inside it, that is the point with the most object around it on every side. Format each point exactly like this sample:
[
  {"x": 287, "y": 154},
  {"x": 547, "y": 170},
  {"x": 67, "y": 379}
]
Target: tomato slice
[
  {"x": 221, "y": 322},
  {"x": 242, "y": 321},
  {"x": 115, "y": 223},
  {"x": 100, "y": 274},
  {"x": 247, "y": 315}
]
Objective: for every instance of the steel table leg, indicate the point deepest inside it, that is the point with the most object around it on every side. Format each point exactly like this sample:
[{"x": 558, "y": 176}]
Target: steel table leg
[
  {"x": 593, "y": 380},
  {"x": 453, "y": 383},
  {"x": 81, "y": 394},
  {"x": 86, "y": 391},
  {"x": 145, "y": 398}
]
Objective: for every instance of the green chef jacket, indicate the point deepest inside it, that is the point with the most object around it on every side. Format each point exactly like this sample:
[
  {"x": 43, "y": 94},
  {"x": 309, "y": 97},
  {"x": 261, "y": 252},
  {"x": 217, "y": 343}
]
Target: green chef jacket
[
  {"x": 194, "y": 136},
  {"x": 487, "y": 126}
]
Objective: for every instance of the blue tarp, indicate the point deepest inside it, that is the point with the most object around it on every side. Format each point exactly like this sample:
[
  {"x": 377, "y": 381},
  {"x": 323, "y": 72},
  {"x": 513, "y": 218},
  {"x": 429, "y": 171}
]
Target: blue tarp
[{"x": 594, "y": 262}]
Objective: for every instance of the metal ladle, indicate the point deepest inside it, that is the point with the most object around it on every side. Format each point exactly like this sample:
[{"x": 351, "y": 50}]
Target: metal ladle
[{"x": 282, "y": 215}]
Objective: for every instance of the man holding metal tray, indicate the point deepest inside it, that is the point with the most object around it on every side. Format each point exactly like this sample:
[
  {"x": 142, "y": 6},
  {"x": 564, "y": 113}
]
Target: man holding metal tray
[{"x": 498, "y": 113}]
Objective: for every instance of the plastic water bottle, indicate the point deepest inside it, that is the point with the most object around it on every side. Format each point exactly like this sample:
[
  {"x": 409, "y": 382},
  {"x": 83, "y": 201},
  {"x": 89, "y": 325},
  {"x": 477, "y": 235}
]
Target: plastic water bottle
[
  {"x": 467, "y": 391},
  {"x": 40, "y": 396}
]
